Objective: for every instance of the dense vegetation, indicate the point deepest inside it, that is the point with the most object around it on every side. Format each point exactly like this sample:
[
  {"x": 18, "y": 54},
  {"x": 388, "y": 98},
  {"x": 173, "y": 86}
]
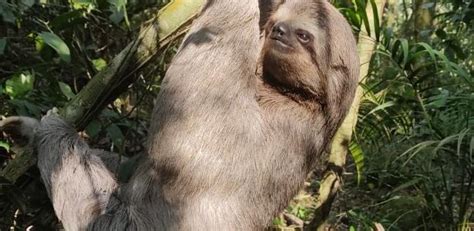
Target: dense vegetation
[{"x": 411, "y": 164}]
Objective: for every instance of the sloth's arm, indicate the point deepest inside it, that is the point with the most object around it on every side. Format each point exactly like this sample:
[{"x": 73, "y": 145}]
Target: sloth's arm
[
  {"x": 76, "y": 178},
  {"x": 78, "y": 182}
]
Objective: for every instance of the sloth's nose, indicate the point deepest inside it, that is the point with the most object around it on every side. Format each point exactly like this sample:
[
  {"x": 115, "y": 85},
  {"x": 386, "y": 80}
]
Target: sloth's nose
[{"x": 280, "y": 30}]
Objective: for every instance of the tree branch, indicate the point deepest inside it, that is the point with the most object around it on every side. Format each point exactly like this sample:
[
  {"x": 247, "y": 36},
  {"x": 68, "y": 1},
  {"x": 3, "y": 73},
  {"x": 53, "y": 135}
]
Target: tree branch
[
  {"x": 332, "y": 182},
  {"x": 115, "y": 79}
]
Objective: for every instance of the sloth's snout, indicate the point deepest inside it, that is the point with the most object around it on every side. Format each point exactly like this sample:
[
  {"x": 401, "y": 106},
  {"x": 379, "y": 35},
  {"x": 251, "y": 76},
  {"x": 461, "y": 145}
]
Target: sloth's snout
[{"x": 281, "y": 32}]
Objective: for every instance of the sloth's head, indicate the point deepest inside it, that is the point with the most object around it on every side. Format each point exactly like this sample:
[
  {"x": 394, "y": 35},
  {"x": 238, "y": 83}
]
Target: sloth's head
[{"x": 309, "y": 49}]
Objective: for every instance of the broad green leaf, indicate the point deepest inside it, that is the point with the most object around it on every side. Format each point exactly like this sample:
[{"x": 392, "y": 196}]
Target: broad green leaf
[
  {"x": 19, "y": 85},
  {"x": 99, "y": 64},
  {"x": 119, "y": 11},
  {"x": 3, "y": 45},
  {"x": 66, "y": 90},
  {"x": 57, "y": 44},
  {"x": 93, "y": 128},
  {"x": 117, "y": 16},
  {"x": 116, "y": 135}
]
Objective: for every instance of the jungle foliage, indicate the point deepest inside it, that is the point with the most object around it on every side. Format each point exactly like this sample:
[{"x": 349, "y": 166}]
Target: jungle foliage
[{"x": 411, "y": 158}]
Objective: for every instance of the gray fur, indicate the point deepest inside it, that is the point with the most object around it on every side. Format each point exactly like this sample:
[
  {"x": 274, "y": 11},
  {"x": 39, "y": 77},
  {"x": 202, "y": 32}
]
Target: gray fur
[
  {"x": 228, "y": 148},
  {"x": 78, "y": 182}
]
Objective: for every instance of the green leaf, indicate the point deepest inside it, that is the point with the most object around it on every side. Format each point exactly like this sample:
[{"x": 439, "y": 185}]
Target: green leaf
[
  {"x": 439, "y": 100},
  {"x": 57, "y": 44},
  {"x": 3, "y": 45},
  {"x": 83, "y": 4},
  {"x": 66, "y": 90},
  {"x": 4, "y": 145},
  {"x": 6, "y": 12},
  {"x": 380, "y": 107},
  {"x": 19, "y": 85},
  {"x": 376, "y": 19},
  {"x": 404, "y": 49},
  {"x": 361, "y": 5},
  {"x": 99, "y": 64},
  {"x": 25, "y": 108},
  {"x": 119, "y": 11},
  {"x": 25, "y": 4},
  {"x": 93, "y": 128},
  {"x": 116, "y": 135},
  {"x": 406, "y": 185},
  {"x": 119, "y": 4},
  {"x": 358, "y": 155}
]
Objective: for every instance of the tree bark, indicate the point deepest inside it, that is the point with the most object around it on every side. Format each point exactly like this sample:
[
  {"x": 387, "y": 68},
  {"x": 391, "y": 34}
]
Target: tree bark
[
  {"x": 331, "y": 182},
  {"x": 115, "y": 79},
  {"x": 423, "y": 13}
]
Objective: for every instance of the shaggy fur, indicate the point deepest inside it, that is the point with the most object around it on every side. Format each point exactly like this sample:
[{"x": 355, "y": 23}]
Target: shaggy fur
[{"x": 239, "y": 123}]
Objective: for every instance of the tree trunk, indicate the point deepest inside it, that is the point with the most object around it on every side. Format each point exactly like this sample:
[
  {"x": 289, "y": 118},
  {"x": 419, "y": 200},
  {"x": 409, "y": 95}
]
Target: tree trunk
[
  {"x": 113, "y": 80},
  {"x": 331, "y": 182},
  {"x": 423, "y": 13}
]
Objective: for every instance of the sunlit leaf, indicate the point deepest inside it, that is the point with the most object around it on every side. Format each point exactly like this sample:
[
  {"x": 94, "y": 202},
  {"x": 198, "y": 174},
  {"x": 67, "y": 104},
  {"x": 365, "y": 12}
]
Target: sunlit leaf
[
  {"x": 57, "y": 44},
  {"x": 99, "y": 64},
  {"x": 5, "y": 145},
  {"x": 19, "y": 85},
  {"x": 66, "y": 90},
  {"x": 358, "y": 155},
  {"x": 83, "y": 4}
]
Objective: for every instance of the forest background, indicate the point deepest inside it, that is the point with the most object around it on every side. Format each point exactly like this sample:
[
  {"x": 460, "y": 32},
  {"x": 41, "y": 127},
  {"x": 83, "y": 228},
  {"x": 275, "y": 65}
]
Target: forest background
[{"x": 409, "y": 165}]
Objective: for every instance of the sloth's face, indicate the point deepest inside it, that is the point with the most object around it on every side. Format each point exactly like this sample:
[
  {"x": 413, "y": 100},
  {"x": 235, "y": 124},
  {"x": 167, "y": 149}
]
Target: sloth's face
[{"x": 295, "y": 45}]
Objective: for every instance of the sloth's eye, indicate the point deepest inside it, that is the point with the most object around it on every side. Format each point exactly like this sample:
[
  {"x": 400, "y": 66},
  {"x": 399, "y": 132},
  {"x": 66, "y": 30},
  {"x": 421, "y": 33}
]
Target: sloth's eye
[{"x": 303, "y": 36}]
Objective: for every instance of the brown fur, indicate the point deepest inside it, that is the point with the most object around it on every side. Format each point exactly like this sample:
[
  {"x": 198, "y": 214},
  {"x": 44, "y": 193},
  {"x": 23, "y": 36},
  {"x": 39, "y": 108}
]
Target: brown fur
[{"x": 228, "y": 147}]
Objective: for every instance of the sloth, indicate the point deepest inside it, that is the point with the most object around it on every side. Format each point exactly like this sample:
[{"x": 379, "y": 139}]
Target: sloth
[{"x": 246, "y": 110}]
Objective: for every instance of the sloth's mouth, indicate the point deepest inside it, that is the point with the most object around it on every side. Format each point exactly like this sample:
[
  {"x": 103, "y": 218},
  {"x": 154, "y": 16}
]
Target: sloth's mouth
[{"x": 281, "y": 44}]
